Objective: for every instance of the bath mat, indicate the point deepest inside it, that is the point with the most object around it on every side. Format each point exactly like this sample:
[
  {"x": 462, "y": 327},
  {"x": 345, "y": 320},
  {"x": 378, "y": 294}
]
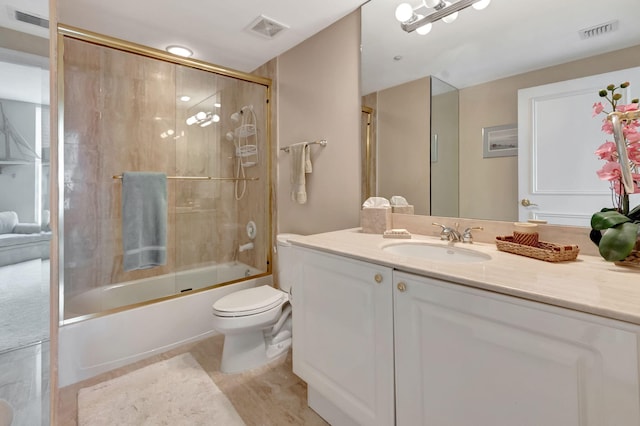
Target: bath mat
[{"x": 176, "y": 391}]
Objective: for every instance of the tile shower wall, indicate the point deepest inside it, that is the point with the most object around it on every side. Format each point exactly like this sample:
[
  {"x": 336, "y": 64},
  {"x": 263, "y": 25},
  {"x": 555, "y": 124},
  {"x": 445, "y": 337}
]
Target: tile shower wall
[{"x": 118, "y": 110}]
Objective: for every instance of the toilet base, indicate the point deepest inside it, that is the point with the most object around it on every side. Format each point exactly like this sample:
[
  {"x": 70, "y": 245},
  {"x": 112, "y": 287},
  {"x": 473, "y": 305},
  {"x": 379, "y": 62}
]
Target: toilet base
[{"x": 244, "y": 351}]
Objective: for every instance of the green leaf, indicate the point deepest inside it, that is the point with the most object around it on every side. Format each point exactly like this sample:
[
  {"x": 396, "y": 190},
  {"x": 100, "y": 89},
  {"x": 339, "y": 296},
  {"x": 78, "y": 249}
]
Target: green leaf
[
  {"x": 607, "y": 219},
  {"x": 617, "y": 242},
  {"x": 634, "y": 214}
]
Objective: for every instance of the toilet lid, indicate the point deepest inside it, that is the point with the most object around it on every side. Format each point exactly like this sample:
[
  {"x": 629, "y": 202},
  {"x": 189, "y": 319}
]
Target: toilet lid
[{"x": 249, "y": 301}]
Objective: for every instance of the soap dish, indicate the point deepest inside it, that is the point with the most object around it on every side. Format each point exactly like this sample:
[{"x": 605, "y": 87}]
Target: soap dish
[
  {"x": 549, "y": 252},
  {"x": 396, "y": 233}
]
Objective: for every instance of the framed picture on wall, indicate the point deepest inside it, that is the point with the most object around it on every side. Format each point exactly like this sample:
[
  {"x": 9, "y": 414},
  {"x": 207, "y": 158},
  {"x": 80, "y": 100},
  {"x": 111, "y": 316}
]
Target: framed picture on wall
[{"x": 500, "y": 141}]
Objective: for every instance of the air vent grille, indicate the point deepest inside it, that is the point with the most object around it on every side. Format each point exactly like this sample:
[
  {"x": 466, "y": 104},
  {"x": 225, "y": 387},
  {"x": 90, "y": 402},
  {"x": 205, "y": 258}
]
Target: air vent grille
[
  {"x": 598, "y": 30},
  {"x": 31, "y": 19},
  {"x": 266, "y": 27}
]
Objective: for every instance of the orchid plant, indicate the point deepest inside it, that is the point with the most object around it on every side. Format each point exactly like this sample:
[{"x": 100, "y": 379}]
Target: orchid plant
[{"x": 615, "y": 230}]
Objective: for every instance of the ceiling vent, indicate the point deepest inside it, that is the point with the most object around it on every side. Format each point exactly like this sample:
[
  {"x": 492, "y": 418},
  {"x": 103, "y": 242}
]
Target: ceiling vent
[
  {"x": 31, "y": 19},
  {"x": 598, "y": 30},
  {"x": 266, "y": 27}
]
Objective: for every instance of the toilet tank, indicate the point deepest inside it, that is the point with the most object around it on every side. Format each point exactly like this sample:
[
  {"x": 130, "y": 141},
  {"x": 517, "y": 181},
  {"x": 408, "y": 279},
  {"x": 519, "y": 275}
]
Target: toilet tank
[{"x": 286, "y": 261}]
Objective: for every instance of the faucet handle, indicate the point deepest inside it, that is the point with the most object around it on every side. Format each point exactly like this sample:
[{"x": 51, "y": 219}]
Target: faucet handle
[
  {"x": 467, "y": 236},
  {"x": 444, "y": 231}
]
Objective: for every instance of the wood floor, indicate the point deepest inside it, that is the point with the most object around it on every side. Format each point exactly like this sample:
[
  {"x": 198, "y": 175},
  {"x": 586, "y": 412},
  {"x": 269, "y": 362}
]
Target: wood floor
[{"x": 268, "y": 396}]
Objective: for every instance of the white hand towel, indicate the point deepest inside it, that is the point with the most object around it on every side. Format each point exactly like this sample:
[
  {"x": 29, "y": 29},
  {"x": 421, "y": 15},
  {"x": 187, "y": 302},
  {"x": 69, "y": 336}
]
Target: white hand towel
[{"x": 300, "y": 166}]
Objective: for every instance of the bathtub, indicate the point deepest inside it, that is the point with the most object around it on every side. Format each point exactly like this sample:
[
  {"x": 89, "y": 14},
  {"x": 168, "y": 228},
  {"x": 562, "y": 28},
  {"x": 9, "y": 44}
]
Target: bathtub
[
  {"x": 114, "y": 296},
  {"x": 96, "y": 345}
]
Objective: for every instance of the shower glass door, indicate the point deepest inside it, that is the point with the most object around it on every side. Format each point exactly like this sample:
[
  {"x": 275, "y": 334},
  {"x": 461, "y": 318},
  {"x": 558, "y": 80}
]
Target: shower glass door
[{"x": 204, "y": 129}]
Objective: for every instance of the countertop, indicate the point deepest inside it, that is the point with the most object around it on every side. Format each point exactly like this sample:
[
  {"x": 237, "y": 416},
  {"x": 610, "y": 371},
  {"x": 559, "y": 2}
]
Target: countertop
[{"x": 588, "y": 284}]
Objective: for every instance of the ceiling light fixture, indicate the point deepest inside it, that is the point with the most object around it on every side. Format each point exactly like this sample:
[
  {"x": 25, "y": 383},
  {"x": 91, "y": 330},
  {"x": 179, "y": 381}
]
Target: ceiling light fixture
[
  {"x": 185, "y": 98},
  {"x": 445, "y": 10},
  {"x": 180, "y": 51}
]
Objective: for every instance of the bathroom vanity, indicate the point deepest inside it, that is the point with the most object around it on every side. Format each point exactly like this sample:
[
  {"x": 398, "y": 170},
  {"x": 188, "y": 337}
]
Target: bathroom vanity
[{"x": 398, "y": 339}]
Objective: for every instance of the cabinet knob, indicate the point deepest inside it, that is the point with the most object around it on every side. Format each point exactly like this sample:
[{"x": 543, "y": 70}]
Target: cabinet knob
[
  {"x": 378, "y": 278},
  {"x": 402, "y": 286}
]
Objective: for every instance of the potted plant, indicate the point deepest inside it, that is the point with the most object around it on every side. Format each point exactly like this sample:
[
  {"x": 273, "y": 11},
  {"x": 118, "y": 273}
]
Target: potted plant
[{"x": 615, "y": 230}]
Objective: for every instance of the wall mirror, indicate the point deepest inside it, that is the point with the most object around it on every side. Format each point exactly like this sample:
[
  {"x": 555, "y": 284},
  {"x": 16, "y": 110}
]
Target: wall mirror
[
  {"x": 24, "y": 210},
  {"x": 487, "y": 55}
]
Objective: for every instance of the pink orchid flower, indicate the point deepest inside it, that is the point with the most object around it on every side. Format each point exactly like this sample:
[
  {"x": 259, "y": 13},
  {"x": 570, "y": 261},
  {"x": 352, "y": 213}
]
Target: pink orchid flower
[
  {"x": 607, "y": 127},
  {"x": 626, "y": 108},
  {"x": 607, "y": 151},
  {"x": 597, "y": 108},
  {"x": 633, "y": 137},
  {"x": 610, "y": 171},
  {"x": 633, "y": 151}
]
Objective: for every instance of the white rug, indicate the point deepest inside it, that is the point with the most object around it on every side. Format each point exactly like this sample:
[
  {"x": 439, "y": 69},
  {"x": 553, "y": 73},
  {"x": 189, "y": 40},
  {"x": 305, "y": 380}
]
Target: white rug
[
  {"x": 176, "y": 391},
  {"x": 24, "y": 303}
]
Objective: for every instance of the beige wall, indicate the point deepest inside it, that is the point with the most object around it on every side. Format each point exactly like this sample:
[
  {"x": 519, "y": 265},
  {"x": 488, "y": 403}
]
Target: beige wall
[
  {"x": 403, "y": 147},
  {"x": 489, "y": 187},
  {"x": 318, "y": 98}
]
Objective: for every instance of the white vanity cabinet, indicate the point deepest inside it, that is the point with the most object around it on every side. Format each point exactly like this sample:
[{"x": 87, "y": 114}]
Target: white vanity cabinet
[
  {"x": 471, "y": 357},
  {"x": 343, "y": 337}
]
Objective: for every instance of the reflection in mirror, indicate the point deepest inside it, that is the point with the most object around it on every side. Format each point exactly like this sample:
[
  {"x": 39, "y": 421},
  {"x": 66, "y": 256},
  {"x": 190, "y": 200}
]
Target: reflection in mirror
[
  {"x": 489, "y": 56},
  {"x": 24, "y": 213},
  {"x": 444, "y": 149}
]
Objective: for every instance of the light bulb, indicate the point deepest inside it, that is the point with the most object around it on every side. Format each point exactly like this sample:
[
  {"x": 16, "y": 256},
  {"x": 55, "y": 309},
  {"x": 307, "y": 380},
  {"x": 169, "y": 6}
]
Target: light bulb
[
  {"x": 425, "y": 29},
  {"x": 215, "y": 118},
  {"x": 450, "y": 18},
  {"x": 191, "y": 120},
  {"x": 206, "y": 123},
  {"x": 201, "y": 115},
  {"x": 404, "y": 12},
  {"x": 479, "y": 5}
]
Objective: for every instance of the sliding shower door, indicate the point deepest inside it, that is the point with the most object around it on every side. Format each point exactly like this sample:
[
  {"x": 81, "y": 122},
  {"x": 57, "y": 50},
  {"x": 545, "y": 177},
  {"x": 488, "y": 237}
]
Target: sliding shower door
[{"x": 204, "y": 128}]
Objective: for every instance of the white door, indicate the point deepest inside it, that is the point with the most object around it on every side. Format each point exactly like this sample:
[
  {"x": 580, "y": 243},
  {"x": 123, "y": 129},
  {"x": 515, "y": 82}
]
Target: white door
[
  {"x": 557, "y": 138},
  {"x": 470, "y": 357}
]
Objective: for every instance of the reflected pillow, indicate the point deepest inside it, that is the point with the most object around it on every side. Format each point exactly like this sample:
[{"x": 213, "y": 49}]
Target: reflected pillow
[
  {"x": 26, "y": 228},
  {"x": 8, "y": 221}
]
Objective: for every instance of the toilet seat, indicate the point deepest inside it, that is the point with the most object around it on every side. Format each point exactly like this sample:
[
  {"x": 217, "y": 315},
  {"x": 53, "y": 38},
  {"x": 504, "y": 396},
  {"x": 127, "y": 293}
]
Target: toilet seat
[{"x": 250, "y": 301}]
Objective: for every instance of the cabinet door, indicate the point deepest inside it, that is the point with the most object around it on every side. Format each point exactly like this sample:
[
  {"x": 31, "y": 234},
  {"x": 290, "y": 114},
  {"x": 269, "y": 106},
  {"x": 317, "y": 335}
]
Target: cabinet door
[
  {"x": 471, "y": 357},
  {"x": 343, "y": 334}
]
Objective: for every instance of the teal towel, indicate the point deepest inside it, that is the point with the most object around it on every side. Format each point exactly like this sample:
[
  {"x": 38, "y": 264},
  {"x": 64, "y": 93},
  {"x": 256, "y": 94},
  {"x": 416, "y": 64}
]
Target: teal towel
[{"x": 144, "y": 220}]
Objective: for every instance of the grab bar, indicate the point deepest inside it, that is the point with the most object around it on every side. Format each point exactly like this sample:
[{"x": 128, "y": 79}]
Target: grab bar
[{"x": 198, "y": 178}]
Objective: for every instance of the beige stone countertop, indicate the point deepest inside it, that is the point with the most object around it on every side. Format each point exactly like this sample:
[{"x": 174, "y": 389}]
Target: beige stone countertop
[{"x": 588, "y": 284}]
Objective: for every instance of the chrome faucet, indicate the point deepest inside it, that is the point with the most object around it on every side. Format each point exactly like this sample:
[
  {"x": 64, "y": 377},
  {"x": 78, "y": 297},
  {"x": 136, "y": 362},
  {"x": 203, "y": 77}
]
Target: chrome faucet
[
  {"x": 467, "y": 237},
  {"x": 448, "y": 233}
]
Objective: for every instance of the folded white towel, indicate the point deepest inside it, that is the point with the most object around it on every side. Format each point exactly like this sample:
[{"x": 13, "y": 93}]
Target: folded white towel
[{"x": 300, "y": 166}]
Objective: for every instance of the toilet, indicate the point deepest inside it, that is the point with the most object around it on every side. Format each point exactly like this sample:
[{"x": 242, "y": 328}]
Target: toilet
[{"x": 256, "y": 322}]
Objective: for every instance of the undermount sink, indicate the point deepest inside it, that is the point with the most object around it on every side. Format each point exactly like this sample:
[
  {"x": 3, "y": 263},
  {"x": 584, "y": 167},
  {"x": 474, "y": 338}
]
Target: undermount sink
[{"x": 438, "y": 253}]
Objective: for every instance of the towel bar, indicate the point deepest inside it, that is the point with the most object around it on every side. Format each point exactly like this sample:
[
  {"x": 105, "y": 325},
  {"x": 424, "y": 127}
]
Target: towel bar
[
  {"x": 322, "y": 143},
  {"x": 198, "y": 178}
]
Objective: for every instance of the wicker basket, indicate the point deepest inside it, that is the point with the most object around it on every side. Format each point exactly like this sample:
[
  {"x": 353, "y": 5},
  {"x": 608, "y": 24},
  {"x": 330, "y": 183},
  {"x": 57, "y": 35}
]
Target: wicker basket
[{"x": 544, "y": 251}]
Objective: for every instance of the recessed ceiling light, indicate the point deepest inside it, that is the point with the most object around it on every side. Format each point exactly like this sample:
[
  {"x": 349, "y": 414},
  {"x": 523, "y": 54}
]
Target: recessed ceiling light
[
  {"x": 180, "y": 51},
  {"x": 185, "y": 98}
]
